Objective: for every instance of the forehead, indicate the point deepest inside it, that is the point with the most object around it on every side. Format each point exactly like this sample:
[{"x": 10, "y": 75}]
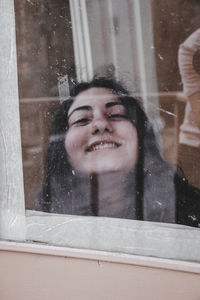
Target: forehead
[{"x": 94, "y": 97}]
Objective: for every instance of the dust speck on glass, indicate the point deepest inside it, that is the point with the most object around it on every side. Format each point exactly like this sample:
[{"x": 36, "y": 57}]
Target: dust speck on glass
[{"x": 109, "y": 95}]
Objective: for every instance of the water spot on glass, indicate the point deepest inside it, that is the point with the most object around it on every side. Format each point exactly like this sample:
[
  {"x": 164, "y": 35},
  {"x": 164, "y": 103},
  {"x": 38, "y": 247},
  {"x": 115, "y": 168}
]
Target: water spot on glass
[
  {"x": 29, "y": 1},
  {"x": 160, "y": 56},
  {"x": 193, "y": 217}
]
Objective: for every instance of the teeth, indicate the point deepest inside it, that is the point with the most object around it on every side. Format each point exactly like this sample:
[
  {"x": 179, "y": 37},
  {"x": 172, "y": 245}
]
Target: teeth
[{"x": 103, "y": 146}]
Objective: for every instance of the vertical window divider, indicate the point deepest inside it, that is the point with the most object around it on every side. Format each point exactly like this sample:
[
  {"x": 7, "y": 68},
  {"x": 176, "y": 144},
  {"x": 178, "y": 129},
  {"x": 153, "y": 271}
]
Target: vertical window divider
[
  {"x": 81, "y": 40},
  {"x": 12, "y": 208}
]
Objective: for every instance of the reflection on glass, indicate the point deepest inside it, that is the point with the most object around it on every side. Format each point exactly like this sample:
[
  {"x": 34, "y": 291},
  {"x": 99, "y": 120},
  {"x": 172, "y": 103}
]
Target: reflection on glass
[
  {"x": 103, "y": 160},
  {"x": 189, "y": 137},
  {"x": 118, "y": 171},
  {"x": 44, "y": 54}
]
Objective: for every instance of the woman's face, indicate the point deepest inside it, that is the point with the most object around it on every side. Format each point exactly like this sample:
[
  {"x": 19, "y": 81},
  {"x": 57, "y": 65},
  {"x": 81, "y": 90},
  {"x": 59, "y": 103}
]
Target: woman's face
[{"x": 100, "y": 138}]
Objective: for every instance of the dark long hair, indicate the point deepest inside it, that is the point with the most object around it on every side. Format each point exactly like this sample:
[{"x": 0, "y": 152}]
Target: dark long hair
[{"x": 57, "y": 185}]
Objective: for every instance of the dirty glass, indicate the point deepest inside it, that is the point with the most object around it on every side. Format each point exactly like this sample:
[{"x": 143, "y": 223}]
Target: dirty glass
[{"x": 124, "y": 146}]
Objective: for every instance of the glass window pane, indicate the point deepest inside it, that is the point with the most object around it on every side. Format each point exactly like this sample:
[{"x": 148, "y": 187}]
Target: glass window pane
[{"x": 109, "y": 108}]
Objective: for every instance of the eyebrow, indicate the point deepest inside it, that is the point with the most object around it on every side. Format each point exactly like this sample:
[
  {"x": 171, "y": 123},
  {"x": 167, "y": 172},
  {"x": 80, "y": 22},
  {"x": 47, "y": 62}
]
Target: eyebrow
[
  {"x": 87, "y": 107},
  {"x": 110, "y": 104},
  {"x": 84, "y": 107}
]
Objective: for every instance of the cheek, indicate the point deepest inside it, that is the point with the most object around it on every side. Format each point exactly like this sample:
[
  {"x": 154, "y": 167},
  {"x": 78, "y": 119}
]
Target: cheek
[
  {"x": 69, "y": 143},
  {"x": 74, "y": 142},
  {"x": 129, "y": 132},
  {"x": 131, "y": 136},
  {"x": 135, "y": 145}
]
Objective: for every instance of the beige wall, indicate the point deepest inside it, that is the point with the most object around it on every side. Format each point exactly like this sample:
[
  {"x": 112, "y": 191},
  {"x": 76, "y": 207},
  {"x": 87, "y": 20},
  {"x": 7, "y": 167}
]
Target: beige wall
[{"x": 29, "y": 276}]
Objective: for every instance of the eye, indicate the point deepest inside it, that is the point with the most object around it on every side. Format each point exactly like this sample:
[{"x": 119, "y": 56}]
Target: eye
[
  {"x": 117, "y": 116},
  {"x": 81, "y": 122}
]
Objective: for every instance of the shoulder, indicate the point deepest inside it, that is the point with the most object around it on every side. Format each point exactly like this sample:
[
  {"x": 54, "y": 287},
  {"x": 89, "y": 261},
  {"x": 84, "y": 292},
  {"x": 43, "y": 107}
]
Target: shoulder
[{"x": 187, "y": 202}]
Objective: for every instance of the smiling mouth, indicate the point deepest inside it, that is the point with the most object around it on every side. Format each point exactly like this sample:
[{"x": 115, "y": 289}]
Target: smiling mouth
[{"x": 102, "y": 146}]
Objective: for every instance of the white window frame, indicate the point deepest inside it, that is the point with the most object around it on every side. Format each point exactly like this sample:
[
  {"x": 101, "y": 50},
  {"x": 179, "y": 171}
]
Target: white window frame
[
  {"x": 12, "y": 210},
  {"x": 125, "y": 236}
]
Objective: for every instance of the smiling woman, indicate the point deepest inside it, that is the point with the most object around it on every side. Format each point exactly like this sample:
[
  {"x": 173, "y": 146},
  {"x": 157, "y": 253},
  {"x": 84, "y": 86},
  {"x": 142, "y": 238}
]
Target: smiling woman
[
  {"x": 100, "y": 139},
  {"x": 103, "y": 160}
]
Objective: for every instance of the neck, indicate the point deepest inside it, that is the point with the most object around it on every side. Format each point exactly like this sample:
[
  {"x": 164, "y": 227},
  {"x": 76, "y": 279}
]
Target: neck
[{"x": 112, "y": 194}]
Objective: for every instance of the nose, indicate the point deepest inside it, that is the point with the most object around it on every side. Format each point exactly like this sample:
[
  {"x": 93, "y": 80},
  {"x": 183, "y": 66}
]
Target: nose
[{"x": 101, "y": 124}]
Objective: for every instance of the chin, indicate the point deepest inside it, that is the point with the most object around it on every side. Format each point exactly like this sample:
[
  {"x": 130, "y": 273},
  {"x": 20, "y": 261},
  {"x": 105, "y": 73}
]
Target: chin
[{"x": 106, "y": 169}]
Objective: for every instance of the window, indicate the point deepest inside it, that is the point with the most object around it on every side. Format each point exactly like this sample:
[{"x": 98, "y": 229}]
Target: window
[{"x": 79, "y": 39}]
